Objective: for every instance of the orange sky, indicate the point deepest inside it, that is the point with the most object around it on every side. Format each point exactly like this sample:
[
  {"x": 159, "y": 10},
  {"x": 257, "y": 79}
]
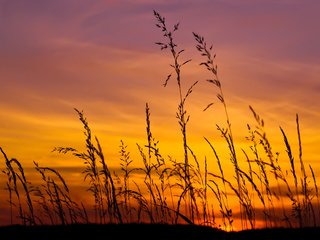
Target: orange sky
[{"x": 100, "y": 57}]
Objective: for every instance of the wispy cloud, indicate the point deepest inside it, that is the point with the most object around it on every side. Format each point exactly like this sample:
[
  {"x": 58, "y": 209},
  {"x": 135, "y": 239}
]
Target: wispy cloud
[{"x": 100, "y": 57}]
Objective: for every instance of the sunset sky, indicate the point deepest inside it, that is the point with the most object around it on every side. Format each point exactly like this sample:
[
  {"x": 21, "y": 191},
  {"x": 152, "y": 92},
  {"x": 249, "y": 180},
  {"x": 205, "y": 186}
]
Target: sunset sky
[{"x": 100, "y": 56}]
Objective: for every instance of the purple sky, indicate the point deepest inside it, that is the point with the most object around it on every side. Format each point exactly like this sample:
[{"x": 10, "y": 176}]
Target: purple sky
[{"x": 100, "y": 57}]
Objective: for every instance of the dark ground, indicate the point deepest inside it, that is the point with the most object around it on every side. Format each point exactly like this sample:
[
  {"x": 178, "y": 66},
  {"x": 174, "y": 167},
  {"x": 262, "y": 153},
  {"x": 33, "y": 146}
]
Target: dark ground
[{"x": 149, "y": 231}]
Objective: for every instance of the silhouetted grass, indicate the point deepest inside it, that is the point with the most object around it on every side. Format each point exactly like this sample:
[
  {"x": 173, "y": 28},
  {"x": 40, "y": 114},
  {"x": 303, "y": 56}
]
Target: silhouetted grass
[{"x": 172, "y": 191}]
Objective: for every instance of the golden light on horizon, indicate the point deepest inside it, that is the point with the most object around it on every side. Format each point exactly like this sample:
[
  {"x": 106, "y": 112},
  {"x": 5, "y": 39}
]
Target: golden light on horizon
[{"x": 85, "y": 61}]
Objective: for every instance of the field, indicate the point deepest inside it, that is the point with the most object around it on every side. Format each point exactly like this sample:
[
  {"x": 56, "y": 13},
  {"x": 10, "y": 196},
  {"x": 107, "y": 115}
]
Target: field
[
  {"x": 173, "y": 199},
  {"x": 145, "y": 231}
]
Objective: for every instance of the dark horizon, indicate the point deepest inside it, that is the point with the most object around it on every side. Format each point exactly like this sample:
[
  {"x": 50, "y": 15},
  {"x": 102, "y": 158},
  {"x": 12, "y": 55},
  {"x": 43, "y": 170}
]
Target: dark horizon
[{"x": 251, "y": 158}]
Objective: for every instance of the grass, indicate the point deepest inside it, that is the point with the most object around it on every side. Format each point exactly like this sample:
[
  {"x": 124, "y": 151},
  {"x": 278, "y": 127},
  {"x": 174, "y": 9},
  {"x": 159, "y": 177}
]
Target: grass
[{"x": 174, "y": 192}]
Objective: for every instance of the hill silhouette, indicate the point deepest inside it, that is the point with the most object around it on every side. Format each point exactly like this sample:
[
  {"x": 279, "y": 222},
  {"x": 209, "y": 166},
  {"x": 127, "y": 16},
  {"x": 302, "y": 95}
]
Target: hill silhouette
[{"x": 148, "y": 231}]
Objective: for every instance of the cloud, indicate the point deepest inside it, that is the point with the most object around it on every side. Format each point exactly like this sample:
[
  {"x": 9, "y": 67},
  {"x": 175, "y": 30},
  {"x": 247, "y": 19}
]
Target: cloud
[{"x": 100, "y": 57}]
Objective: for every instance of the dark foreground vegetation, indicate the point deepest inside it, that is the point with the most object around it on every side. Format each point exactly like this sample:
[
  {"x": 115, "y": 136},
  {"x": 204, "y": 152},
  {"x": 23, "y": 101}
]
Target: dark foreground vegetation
[
  {"x": 149, "y": 231},
  {"x": 173, "y": 191}
]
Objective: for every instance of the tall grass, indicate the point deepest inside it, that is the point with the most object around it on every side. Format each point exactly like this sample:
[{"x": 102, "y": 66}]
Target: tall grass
[
  {"x": 101, "y": 182},
  {"x": 169, "y": 190},
  {"x": 181, "y": 114}
]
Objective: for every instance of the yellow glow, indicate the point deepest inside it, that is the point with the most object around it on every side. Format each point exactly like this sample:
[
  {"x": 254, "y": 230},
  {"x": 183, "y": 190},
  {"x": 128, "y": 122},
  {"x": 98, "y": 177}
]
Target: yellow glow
[{"x": 111, "y": 80}]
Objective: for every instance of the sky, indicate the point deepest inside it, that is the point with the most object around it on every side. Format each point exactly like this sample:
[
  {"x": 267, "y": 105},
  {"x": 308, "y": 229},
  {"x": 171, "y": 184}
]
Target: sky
[{"x": 101, "y": 57}]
